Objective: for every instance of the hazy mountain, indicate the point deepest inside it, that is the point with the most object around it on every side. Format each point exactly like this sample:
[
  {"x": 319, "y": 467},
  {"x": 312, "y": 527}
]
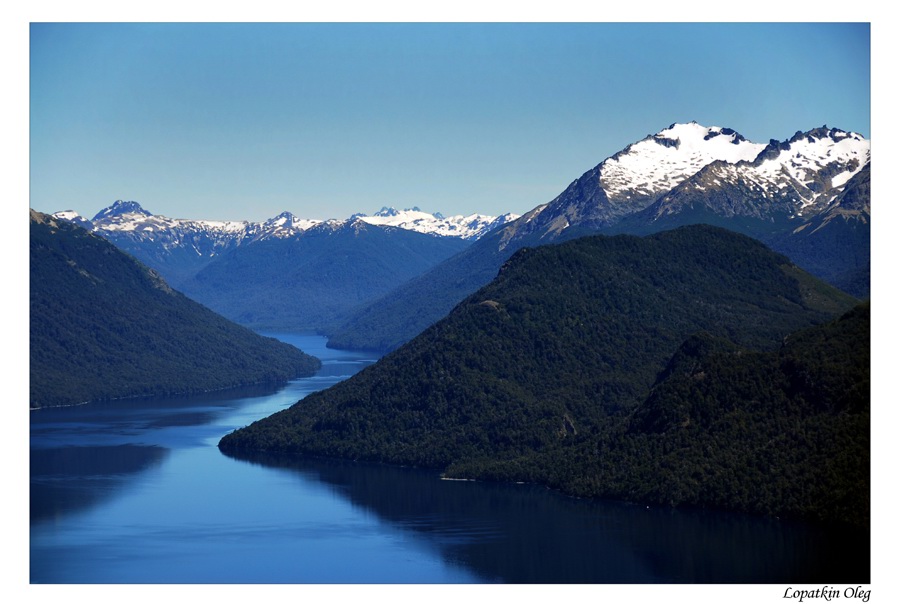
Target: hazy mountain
[
  {"x": 315, "y": 279},
  {"x": 179, "y": 248},
  {"x": 104, "y": 326},
  {"x": 287, "y": 272}
]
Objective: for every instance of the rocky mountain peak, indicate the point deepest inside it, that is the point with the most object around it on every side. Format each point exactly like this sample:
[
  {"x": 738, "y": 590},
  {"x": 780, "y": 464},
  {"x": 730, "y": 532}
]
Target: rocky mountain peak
[
  {"x": 834, "y": 135},
  {"x": 121, "y": 208},
  {"x": 285, "y": 218}
]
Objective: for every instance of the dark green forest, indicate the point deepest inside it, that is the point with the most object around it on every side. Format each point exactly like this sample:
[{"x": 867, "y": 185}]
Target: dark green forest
[
  {"x": 577, "y": 368},
  {"x": 104, "y": 326}
]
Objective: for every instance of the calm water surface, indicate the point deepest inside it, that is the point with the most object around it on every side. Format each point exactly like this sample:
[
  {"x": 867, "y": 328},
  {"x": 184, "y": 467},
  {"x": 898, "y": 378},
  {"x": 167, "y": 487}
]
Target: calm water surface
[{"x": 138, "y": 492}]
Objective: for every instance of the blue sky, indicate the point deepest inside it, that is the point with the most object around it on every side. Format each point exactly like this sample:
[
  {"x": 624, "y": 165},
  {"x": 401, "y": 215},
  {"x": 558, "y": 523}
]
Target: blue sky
[{"x": 243, "y": 121}]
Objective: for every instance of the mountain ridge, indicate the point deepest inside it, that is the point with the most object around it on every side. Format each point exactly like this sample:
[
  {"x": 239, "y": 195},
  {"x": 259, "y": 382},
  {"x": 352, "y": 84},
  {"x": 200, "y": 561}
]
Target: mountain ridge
[
  {"x": 181, "y": 248},
  {"x": 673, "y": 189},
  {"x": 124, "y": 216}
]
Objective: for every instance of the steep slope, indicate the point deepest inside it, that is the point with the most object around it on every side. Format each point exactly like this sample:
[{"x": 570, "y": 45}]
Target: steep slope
[
  {"x": 627, "y": 181},
  {"x": 311, "y": 281},
  {"x": 685, "y": 174},
  {"x": 835, "y": 244},
  {"x": 525, "y": 379},
  {"x": 104, "y": 326}
]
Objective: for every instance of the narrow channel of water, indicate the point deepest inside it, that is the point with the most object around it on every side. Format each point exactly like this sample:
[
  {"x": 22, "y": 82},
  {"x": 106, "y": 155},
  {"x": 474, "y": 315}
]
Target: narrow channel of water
[{"x": 138, "y": 492}]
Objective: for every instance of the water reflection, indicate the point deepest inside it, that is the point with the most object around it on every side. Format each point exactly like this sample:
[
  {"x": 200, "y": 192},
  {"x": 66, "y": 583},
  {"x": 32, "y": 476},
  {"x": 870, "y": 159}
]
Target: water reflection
[
  {"x": 85, "y": 455},
  {"x": 136, "y": 491},
  {"x": 71, "y": 479},
  {"x": 528, "y": 534}
]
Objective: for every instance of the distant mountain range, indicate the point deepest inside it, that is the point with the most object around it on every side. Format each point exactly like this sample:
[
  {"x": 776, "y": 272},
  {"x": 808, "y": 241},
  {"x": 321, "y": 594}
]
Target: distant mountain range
[
  {"x": 286, "y": 272},
  {"x": 667, "y": 369},
  {"x": 313, "y": 280},
  {"x": 104, "y": 326},
  {"x": 211, "y": 236},
  {"x": 179, "y": 248},
  {"x": 807, "y": 197}
]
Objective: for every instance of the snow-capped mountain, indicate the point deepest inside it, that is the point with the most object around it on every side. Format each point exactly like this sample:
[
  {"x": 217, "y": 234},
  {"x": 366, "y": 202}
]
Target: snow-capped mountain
[
  {"x": 177, "y": 248},
  {"x": 209, "y": 237},
  {"x": 792, "y": 179},
  {"x": 686, "y": 166},
  {"x": 205, "y": 237},
  {"x": 634, "y": 178},
  {"x": 180, "y": 248},
  {"x": 283, "y": 225},
  {"x": 659, "y": 162},
  {"x": 806, "y": 197},
  {"x": 472, "y": 226},
  {"x": 121, "y": 212},
  {"x": 74, "y": 217}
]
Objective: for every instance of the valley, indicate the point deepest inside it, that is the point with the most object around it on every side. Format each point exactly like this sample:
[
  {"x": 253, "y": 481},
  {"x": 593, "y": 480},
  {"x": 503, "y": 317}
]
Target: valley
[{"x": 685, "y": 327}]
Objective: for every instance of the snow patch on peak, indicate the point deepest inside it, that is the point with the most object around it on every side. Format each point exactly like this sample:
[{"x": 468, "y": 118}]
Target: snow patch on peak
[
  {"x": 70, "y": 215},
  {"x": 285, "y": 225},
  {"x": 816, "y": 161},
  {"x": 285, "y": 218},
  {"x": 661, "y": 161},
  {"x": 73, "y": 217},
  {"x": 472, "y": 226}
]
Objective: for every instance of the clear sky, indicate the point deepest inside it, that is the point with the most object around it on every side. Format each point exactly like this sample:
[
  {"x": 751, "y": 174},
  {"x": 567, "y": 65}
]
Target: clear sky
[{"x": 242, "y": 121}]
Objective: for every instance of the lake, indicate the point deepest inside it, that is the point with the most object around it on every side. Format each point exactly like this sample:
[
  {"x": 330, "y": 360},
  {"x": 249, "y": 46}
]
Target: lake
[{"x": 138, "y": 492}]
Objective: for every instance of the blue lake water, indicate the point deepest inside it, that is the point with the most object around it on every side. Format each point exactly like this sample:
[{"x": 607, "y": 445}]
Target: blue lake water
[{"x": 138, "y": 492}]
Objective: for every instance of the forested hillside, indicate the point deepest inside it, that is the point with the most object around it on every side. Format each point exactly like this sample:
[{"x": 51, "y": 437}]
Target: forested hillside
[
  {"x": 556, "y": 372},
  {"x": 104, "y": 326}
]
